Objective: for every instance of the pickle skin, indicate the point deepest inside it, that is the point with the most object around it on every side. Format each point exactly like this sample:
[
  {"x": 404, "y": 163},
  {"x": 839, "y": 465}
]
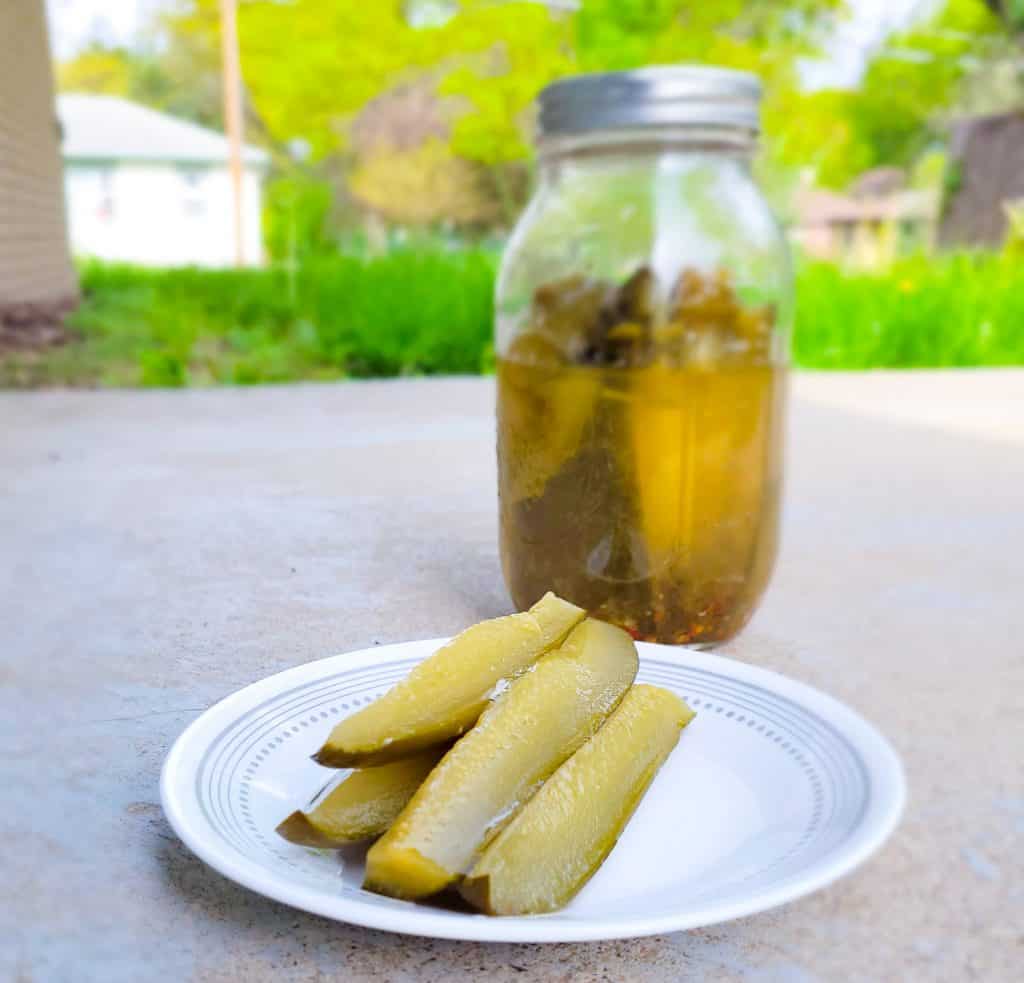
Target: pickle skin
[
  {"x": 561, "y": 837},
  {"x": 443, "y": 696},
  {"x": 535, "y": 725},
  {"x": 362, "y": 805}
]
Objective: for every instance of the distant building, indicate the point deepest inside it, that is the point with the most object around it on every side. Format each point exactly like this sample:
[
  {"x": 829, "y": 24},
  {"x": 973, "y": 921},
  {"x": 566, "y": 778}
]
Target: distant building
[
  {"x": 149, "y": 188},
  {"x": 871, "y": 224},
  {"x": 37, "y": 280}
]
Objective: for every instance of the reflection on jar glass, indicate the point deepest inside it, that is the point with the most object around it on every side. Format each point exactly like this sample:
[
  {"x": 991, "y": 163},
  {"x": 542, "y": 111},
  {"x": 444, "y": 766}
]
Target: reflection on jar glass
[{"x": 642, "y": 316}]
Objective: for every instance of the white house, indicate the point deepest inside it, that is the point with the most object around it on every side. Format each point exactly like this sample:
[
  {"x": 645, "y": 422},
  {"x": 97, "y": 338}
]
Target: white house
[{"x": 145, "y": 187}]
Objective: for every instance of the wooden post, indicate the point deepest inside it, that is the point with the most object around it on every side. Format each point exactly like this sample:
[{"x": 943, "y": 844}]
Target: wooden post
[{"x": 233, "y": 114}]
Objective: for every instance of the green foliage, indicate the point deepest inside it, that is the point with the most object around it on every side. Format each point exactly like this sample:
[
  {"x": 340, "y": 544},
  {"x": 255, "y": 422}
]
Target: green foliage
[
  {"x": 412, "y": 311},
  {"x": 931, "y": 171},
  {"x": 427, "y": 311},
  {"x": 105, "y": 71},
  {"x": 522, "y": 48},
  {"x": 1010, "y": 12},
  {"x": 621, "y": 34},
  {"x": 766, "y": 38},
  {"x": 962, "y": 309},
  {"x": 1014, "y": 245},
  {"x": 296, "y": 218},
  {"x": 161, "y": 369},
  {"x": 910, "y": 89},
  {"x": 827, "y": 140},
  {"x": 952, "y": 182},
  {"x": 612, "y": 35},
  {"x": 427, "y": 185},
  {"x": 311, "y": 65},
  {"x": 182, "y": 78}
]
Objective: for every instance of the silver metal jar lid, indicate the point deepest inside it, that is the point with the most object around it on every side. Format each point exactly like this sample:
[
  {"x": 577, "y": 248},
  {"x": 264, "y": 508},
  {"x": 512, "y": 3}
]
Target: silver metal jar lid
[{"x": 684, "y": 95}]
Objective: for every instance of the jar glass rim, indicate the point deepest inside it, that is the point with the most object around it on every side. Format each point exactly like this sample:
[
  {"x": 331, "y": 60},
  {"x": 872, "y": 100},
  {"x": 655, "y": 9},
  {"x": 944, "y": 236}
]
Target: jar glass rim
[{"x": 718, "y": 140}]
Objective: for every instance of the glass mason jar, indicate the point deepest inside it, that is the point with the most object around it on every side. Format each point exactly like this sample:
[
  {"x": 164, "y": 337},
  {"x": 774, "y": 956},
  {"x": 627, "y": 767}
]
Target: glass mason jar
[{"x": 643, "y": 306}]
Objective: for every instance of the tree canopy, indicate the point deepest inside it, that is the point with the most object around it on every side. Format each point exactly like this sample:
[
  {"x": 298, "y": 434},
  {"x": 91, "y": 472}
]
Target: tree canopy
[
  {"x": 964, "y": 58},
  {"x": 312, "y": 67}
]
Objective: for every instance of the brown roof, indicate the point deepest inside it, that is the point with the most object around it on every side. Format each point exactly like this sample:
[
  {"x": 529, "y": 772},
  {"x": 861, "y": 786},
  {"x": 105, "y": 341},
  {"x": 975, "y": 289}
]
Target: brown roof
[{"x": 879, "y": 181}]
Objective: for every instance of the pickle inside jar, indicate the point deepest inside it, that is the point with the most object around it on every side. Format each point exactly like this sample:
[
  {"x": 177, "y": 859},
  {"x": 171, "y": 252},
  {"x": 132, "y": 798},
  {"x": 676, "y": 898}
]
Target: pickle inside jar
[{"x": 662, "y": 517}]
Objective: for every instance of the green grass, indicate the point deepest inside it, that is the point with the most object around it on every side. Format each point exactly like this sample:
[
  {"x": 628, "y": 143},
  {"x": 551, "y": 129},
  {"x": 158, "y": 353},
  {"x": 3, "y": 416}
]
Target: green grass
[
  {"x": 429, "y": 311},
  {"x": 407, "y": 313},
  {"x": 956, "y": 310}
]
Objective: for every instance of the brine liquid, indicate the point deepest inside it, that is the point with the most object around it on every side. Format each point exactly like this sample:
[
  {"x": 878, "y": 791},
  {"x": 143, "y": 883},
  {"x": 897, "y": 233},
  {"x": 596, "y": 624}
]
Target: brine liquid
[{"x": 649, "y": 495}]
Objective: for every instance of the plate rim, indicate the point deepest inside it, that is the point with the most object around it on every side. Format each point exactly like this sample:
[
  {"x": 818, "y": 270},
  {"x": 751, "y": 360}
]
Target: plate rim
[{"x": 887, "y": 802}]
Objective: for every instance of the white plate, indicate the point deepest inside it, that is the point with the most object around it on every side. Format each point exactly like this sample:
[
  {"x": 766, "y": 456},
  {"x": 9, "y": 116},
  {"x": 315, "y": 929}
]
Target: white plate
[{"x": 773, "y": 791}]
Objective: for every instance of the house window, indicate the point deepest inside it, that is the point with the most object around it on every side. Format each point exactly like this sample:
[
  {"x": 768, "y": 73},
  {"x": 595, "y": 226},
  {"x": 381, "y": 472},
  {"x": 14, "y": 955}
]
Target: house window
[
  {"x": 194, "y": 196},
  {"x": 102, "y": 181}
]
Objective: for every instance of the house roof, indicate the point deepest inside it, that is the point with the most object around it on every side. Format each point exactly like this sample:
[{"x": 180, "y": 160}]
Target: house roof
[
  {"x": 109, "y": 128},
  {"x": 816, "y": 207}
]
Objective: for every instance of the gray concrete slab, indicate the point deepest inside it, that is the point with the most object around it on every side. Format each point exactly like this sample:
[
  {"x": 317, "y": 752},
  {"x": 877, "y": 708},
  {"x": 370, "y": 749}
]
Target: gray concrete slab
[{"x": 160, "y": 549}]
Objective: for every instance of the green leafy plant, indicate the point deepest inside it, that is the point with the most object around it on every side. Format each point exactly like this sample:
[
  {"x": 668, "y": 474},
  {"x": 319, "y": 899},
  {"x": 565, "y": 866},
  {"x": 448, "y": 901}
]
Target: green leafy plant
[
  {"x": 162, "y": 369},
  {"x": 427, "y": 309}
]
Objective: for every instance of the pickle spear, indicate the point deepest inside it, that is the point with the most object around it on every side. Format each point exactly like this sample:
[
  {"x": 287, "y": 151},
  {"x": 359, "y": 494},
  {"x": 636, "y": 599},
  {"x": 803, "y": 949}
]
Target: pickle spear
[
  {"x": 540, "y": 720},
  {"x": 558, "y": 840},
  {"x": 444, "y": 695},
  {"x": 543, "y": 411},
  {"x": 665, "y": 422},
  {"x": 362, "y": 805}
]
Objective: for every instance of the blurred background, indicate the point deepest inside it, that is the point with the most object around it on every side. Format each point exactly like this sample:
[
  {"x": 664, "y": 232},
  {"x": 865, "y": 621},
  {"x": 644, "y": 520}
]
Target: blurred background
[{"x": 199, "y": 192}]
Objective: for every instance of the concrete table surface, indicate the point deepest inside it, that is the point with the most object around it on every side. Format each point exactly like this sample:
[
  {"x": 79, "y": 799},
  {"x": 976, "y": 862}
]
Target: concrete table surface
[{"x": 160, "y": 549}]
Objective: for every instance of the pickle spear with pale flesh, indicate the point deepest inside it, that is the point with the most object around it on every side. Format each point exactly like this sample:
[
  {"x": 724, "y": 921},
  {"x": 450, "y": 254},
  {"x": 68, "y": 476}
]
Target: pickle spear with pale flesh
[
  {"x": 552, "y": 847},
  {"x": 362, "y": 805},
  {"x": 535, "y": 725},
  {"x": 444, "y": 695}
]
